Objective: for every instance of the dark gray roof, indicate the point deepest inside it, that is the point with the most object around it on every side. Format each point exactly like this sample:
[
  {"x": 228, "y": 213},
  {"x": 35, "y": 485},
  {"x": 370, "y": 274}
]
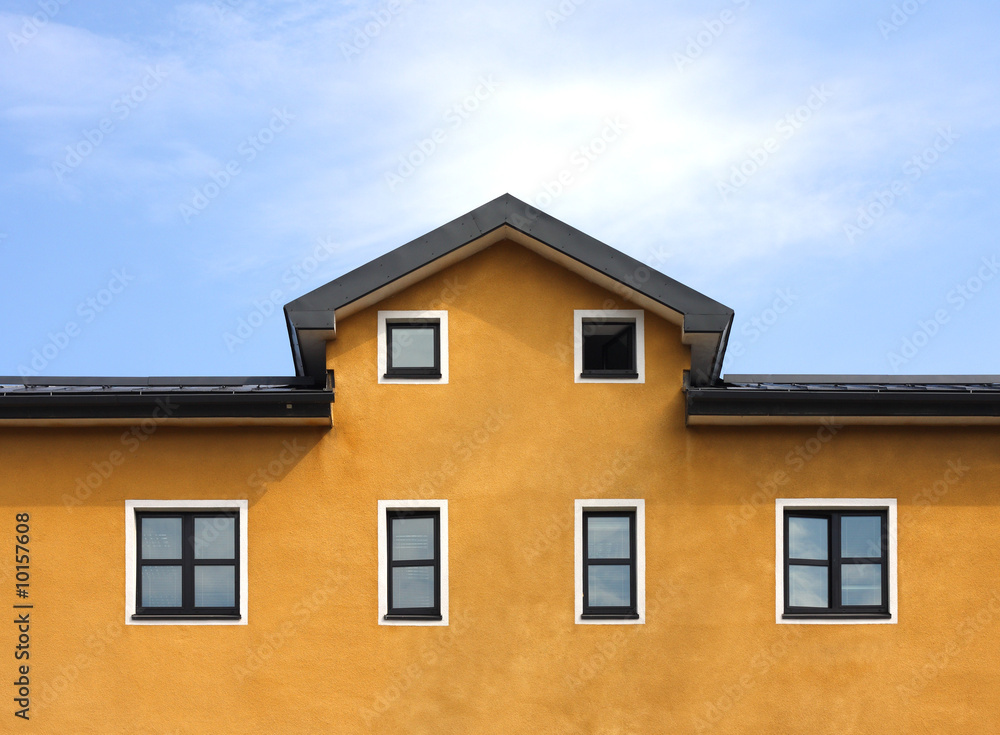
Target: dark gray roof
[
  {"x": 865, "y": 397},
  {"x": 311, "y": 319},
  {"x": 162, "y": 399}
]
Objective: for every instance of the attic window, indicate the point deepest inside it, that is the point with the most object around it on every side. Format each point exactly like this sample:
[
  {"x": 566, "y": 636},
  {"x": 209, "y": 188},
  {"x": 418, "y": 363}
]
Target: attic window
[
  {"x": 609, "y": 346},
  {"x": 412, "y": 347}
]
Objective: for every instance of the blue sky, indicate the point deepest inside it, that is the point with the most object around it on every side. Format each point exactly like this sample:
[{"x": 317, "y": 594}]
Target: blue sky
[{"x": 827, "y": 169}]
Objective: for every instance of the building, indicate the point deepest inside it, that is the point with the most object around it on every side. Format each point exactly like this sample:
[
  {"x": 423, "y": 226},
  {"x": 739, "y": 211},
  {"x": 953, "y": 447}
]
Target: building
[{"x": 534, "y": 507}]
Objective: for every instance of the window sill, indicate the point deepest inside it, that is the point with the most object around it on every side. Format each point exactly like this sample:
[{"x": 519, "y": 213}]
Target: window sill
[
  {"x": 412, "y": 617},
  {"x": 836, "y": 616},
  {"x": 620, "y": 374},
  {"x": 143, "y": 616},
  {"x": 412, "y": 376},
  {"x": 603, "y": 616}
]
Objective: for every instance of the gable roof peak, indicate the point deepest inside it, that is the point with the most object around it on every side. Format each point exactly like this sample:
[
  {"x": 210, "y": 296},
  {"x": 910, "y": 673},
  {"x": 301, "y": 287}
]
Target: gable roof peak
[{"x": 705, "y": 323}]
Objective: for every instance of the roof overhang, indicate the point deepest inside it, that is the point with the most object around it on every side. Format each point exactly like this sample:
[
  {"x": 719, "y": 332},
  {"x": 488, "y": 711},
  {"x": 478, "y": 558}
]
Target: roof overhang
[
  {"x": 165, "y": 401},
  {"x": 704, "y": 322},
  {"x": 742, "y": 400}
]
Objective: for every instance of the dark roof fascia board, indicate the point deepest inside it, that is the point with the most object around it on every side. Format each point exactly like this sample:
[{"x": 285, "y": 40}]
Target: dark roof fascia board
[
  {"x": 164, "y": 399},
  {"x": 311, "y": 318},
  {"x": 763, "y": 403},
  {"x": 297, "y": 381},
  {"x": 164, "y": 406}
]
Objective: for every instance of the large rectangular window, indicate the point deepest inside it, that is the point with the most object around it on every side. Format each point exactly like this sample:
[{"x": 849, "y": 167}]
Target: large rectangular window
[
  {"x": 836, "y": 562},
  {"x": 186, "y": 561},
  {"x": 610, "y": 561},
  {"x": 413, "y": 562}
]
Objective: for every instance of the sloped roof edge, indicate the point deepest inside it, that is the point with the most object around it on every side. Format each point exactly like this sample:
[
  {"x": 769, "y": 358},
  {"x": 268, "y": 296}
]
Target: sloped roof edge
[{"x": 311, "y": 318}]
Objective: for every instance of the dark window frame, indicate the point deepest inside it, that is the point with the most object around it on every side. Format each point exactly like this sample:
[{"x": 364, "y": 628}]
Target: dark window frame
[
  {"x": 188, "y": 563},
  {"x": 424, "y": 373},
  {"x": 420, "y": 613},
  {"x": 595, "y": 612},
  {"x": 835, "y": 563},
  {"x": 621, "y": 373}
]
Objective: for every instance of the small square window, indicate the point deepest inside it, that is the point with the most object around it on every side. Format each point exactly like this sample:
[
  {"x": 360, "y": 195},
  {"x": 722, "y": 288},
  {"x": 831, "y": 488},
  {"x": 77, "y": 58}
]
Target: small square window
[
  {"x": 186, "y": 562},
  {"x": 608, "y": 349},
  {"x": 837, "y": 561},
  {"x": 413, "y": 562},
  {"x": 610, "y": 556},
  {"x": 412, "y": 347},
  {"x": 609, "y": 346}
]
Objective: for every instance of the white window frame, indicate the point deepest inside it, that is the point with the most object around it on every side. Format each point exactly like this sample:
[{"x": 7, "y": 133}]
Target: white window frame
[
  {"x": 442, "y": 319},
  {"x": 639, "y": 507},
  {"x": 131, "y": 551},
  {"x": 636, "y": 315},
  {"x": 834, "y": 504},
  {"x": 383, "y": 557}
]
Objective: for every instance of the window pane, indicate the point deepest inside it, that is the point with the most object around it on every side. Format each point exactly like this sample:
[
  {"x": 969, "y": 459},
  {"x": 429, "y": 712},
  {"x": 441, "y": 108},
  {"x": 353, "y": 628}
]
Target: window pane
[
  {"x": 161, "y": 538},
  {"x": 861, "y": 584},
  {"x": 214, "y": 586},
  {"x": 412, "y": 538},
  {"x": 608, "y": 346},
  {"x": 413, "y": 587},
  {"x": 807, "y": 538},
  {"x": 214, "y": 538},
  {"x": 808, "y": 586},
  {"x": 608, "y": 537},
  {"x": 861, "y": 536},
  {"x": 609, "y": 585},
  {"x": 412, "y": 347},
  {"x": 161, "y": 586}
]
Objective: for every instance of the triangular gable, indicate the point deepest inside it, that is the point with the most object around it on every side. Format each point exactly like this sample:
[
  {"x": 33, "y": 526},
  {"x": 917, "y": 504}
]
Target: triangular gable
[{"x": 312, "y": 318}]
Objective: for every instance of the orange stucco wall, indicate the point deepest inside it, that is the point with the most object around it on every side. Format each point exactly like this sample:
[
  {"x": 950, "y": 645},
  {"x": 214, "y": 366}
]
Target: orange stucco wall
[{"x": 510, "y": 442}]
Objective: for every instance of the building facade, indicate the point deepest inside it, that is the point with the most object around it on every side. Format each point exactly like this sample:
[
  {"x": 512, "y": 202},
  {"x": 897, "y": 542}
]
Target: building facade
[{"x": 507, "y": 491}]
